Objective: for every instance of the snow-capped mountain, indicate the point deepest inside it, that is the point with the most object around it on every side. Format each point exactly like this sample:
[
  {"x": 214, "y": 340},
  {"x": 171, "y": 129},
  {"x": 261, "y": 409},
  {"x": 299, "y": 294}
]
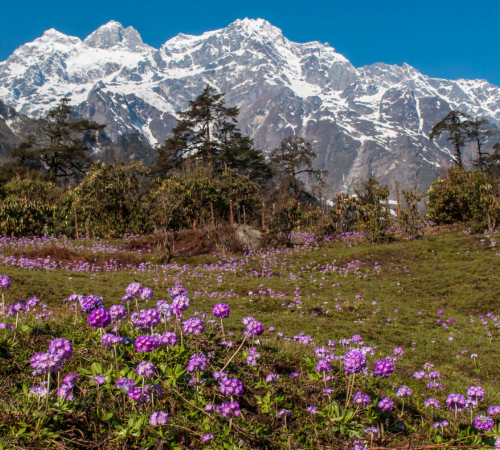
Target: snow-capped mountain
[{"x": 373, "y": 120}]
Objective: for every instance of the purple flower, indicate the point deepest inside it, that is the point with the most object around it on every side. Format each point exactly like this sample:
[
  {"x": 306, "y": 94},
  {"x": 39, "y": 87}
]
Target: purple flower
[
  {"x": 323, "y": 366},
  {"x": 146, "y": 369},
  {"x": 168, "y": 338},
  {"x": 255, "y": 328},
  {"x": 403, "y": 392},
  {"x": 357, "y": 339},
  {"x": 484, "y": 423},
  {"x": 109, "y": 340},
  {"x": 5, "y": 282},
  {"x": 135, "y": 394},
  {"x": 207, "y": 437},
  {"x": 434, "y": 375},
  {"x": 193, "y": 326},
  {"x": 272, "y": 377},
  {"x": 9, "y": 326},
  {"x": 455, "y": 402},
  {"x": 312, "y": 409},
  {"x": 65, "y": 392},
  {"x": 118, "y": 312},
  {"x": 354, "y": 362},
  {"x": 150, "y": 318},
  {"x": 179, "y": 305},
  {"x": 221, "y": 310},
  {"x": 177, "y": 291},
  {"x": 434, "y": 385},
  {"x": 33, "y": 301},
  {"x": 164, "y": 308},
  {"x": 386, "y": 404},
  {"x": 197, "y": 363},
  {"x": 398, "y": 351},
  {"x": 88, "y": 304},
  {"x": 46, "y": 362},
  {"x": 493, "y": 410},
  {"x": 62, "y": 348},
  {"x": 70, "y": 378},
  {"x": 99, "y": 318},
  {"x": 384, "y": 368},
  {"x": 231, "y": 387},
  {"x": 247, "y": 320},
  {"x": 284, "y": 413},
  {"x": 124, "y": 384},
  {"x": 419, "y": 375},
  {"x": 40, "y": 390},
  {"x": 158, "y": 418},
  {"x": 134, "y": 289},
  {"x": 146, "y": 343},
  {"x": 432, "y": 402},
  {"x": 475, "y": 393},
  {"x": 99, "y": 379},
  {"x": 147, "y": 293},
  {"x": 229, "y": 409},
  {"x": 127, "y": 298},
  {"x": 361, "y": 399},
  {"x": 219, "y": 375}
]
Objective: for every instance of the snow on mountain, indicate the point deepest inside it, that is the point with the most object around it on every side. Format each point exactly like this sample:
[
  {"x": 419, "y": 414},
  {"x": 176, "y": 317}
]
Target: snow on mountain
[{"x": 370, "y": 121}]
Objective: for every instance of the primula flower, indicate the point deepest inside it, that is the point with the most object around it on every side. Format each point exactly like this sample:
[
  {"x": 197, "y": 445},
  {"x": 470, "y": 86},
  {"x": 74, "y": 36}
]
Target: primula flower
[
  {"x": 354, "y": 362},
  {"x": 484, "y": 423},
  {"x": 134, "y": 289},
  {"x": 62, "y": 348},
  {"x": 455, "y": 402},
  {"x": 146, "y": 369},
  {"x": 99, "y": 379},
  {"x": 386, "y": 404},
  {"x": 221, "y": 310},
  {"x": 99, "y": 318},
  {"x": 384, "y": 368},
  {"x": 146, "y": 343},
  {"x": 231, "y": 387},
  {"x": 158, "y": 418},
  {"x": 147, "y": 293},
  {"x": 193, "y": 326},
  {"x": 403, "y": 392}
]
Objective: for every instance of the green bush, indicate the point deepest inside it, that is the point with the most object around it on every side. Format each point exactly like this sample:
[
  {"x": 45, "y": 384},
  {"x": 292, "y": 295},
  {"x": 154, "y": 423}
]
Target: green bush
[{"x": 464, "y": 197}]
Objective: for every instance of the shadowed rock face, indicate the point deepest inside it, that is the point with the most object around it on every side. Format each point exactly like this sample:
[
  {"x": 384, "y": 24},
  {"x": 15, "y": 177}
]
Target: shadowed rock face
[{"x": 370, "y": 121}]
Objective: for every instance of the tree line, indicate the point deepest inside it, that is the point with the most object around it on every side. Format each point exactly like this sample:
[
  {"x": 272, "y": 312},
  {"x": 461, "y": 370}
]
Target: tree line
[{"x": 208, "y": 173}]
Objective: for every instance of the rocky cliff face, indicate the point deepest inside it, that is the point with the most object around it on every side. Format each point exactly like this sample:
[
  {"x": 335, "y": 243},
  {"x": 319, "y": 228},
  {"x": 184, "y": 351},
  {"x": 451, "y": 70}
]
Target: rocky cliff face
[{"x": 367, "y": 121}]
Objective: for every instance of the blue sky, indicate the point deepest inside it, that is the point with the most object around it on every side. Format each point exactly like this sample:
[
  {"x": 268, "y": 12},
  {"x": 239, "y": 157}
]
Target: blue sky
[{"x": 441, "y": 38}]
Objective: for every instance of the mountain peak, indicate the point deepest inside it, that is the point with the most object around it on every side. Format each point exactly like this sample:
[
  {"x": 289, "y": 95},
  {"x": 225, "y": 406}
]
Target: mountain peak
[
  {"x": 259, "y": 26},
  {"x": 54, "y": 36},
  {"x": 113, "y": 33}
]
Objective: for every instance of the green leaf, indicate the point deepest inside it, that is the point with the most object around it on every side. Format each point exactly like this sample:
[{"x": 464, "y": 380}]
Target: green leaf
[{"x": 107, "y": 416}]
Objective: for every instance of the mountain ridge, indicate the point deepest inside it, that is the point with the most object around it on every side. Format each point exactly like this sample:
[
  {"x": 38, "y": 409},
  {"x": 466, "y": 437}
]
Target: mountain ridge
[{"x": 368, "y": 121}]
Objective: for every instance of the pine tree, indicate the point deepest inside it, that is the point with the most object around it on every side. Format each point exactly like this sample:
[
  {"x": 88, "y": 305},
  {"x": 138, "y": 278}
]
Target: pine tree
[
  {"x": 478, "y": 133},
  {"x": 294, "y": 157},
  {"x": 60, "y": 144},
  {"x": 457, "y": 130},
  {"x": 207, "y": 134}
]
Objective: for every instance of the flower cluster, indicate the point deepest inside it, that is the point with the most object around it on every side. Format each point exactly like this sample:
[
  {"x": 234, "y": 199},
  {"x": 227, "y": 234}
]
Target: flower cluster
[
  {"x": 231, "y": 387},
  {"x": 193, "y": 326},
  {"x": 354, "y": 362},
  {"x": 99, "y": 318}
]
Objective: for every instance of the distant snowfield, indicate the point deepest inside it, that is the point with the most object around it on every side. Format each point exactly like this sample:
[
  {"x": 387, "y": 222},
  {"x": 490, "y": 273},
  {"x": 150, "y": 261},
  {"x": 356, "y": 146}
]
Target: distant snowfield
[{"x": 281, "y": 87}]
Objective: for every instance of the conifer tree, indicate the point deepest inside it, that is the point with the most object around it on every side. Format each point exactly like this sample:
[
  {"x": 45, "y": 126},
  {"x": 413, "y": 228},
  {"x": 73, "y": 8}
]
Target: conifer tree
[
  {"x": 457, "y": 130},
  {"x": 207, "y": 134},
  {"x": 478, "y": 133},
  {"x": 294, "y": 157},
  {"x": 60, "y": 144}
]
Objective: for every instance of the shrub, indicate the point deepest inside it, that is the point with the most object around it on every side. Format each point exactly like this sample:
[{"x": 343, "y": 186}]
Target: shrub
[{"x": 464, "y": 197}]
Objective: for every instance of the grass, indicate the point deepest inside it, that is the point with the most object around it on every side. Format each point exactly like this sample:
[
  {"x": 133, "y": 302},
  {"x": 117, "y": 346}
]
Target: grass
[{"x": 401, "y": 287}]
